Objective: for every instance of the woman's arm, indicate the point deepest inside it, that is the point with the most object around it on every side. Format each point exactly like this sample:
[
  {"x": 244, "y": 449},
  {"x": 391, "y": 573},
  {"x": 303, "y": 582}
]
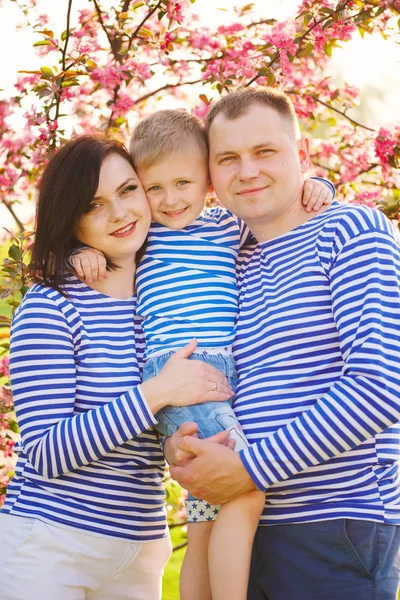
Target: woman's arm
[{"x": 58, "y": 440}]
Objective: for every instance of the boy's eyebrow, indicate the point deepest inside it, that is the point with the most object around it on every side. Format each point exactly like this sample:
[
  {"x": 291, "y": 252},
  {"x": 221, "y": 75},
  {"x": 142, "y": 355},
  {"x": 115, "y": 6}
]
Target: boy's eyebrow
[
  {"x": 123, "y": 184},
  {"x": 256, "y": 147}
]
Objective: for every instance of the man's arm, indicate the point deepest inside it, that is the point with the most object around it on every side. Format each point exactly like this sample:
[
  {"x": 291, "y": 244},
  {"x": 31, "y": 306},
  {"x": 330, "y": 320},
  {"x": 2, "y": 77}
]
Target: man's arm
[{"x": 363, "y": 402}]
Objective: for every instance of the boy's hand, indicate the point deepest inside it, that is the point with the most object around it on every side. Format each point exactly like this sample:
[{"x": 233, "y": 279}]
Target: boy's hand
[
  {"x": 90, "y": 264},
  {"x": 315, "y": 194}
]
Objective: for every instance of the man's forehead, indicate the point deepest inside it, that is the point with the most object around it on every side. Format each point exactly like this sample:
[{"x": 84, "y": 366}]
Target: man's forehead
[{"x": 257, "y": 126}]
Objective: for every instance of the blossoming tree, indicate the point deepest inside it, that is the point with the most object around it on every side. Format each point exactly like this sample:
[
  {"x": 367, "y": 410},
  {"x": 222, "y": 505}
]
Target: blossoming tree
[{"x": 112, "y": 66}]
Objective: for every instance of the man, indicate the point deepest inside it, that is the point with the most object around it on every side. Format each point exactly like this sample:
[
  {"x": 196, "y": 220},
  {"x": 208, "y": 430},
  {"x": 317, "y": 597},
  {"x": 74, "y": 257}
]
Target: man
[{"x": 317, "y": 350}]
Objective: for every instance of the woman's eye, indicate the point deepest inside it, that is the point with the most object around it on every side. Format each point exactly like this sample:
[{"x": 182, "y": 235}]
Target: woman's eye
[
  {"x": 93, "y": 206},
  {"x": 129, "y": 188}
]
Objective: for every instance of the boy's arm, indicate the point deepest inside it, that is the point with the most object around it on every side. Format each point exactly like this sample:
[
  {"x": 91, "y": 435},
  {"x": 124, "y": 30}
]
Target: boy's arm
[
  {"x": 317, "y": 192},
  {"x": 88, "y": 263}
]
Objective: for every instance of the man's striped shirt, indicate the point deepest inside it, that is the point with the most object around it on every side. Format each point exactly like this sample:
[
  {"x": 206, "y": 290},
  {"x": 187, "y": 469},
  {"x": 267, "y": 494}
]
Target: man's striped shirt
[
  {"x": 88, "y": 457},
  {"x": 318, "y": 355}
]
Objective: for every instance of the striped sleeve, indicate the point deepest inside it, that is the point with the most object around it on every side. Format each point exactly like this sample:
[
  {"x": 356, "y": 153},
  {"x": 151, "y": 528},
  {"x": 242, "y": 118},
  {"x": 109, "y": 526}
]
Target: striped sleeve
[
  {"x": 43, "y": 377},
  {"x": 364, "y": 277}
]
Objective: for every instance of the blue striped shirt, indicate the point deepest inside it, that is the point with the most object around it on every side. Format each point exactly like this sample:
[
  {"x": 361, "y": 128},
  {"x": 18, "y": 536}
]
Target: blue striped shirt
[
  {"x": 318, "y": 355},
  {"x": 186, "y": 283},
  {"x": 87, "y": 456}
]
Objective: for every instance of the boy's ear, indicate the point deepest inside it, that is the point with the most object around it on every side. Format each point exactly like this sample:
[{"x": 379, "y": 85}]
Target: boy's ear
[{"x": 210, "y": 187}]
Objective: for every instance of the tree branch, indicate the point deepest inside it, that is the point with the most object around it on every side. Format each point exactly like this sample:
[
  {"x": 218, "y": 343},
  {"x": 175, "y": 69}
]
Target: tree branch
[
  {"x": 138, "y": 28},
  {"x": 111, "y": 41},
  {"x": 340, "y": 112},
  {"x": 64, "y": 54},
  {"x": 9, "y": 207},
  {"x": 166, "y": 87}
]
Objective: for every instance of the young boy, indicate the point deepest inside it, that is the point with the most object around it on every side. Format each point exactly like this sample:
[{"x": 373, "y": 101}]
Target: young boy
[{"x": 186, "y": 287}]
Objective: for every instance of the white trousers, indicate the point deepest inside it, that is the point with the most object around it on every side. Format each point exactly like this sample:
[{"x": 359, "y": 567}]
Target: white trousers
[{"x": 45, "y": 562}]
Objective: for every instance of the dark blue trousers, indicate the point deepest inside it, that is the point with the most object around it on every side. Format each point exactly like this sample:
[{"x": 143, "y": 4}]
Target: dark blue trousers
[{"x": 342, "y": 559}]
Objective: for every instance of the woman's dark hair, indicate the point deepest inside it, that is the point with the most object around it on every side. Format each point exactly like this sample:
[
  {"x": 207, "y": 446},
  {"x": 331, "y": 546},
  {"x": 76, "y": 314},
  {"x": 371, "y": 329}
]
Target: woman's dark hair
[{"x": 68, "y": 186}]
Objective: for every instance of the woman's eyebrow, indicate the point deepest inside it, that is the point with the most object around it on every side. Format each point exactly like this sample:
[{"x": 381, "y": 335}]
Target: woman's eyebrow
[{"x": 133, "y": 179}]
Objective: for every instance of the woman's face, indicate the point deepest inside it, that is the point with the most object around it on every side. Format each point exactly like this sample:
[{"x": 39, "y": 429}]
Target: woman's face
[{"x": 119, "y": 217}]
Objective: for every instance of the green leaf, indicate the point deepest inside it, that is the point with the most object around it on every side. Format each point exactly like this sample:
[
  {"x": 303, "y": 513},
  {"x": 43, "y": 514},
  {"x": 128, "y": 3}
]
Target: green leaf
[
  {"x": 192, "y": 1},
  {"x": 47, "y": 72},
  {"x": 24, "y": 289},
  {"x": 43, "y": 43},
  {"x": 308, "y": 49},
  {"x": 15, "y": 252},
  {"x": 69, "y": 83}
]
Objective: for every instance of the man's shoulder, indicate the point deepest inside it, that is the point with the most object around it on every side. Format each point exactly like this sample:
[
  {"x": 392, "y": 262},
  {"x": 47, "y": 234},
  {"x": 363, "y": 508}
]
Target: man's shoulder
[{"x": 351, "y": 220}]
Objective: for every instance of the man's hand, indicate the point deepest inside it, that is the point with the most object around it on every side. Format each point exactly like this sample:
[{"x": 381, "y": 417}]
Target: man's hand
[
  {"x": 216, "y": 474},
  {"x": 177, "y": 457}
]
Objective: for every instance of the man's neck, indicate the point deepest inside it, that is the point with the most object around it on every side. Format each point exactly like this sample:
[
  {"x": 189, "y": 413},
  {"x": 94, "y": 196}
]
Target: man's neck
[{"x": 270, "y": 228}]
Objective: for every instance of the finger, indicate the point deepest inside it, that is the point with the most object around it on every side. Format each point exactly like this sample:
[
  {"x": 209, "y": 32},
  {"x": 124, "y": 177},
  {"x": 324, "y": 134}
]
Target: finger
[
  {"x": 221, "y": 437},
  {"x": 78, "y": 267},
  {"x": 191, "y": 444},
  {"x": 186, "y": 350},
  {"x": 87, "y": 271},
  {"x": 102, "y": 265},
  {"x": 231, "y": 444},
  {"x": 320, "y": 201},
  {"x": 307, "y": 190},
  {"x": 187, "y": 428},
  {"x": 313, "y": 199},
  {"x": 328, "y": 198}
]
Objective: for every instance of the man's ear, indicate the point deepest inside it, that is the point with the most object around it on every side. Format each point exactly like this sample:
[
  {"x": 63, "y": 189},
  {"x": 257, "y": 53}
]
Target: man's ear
[{"x": 304, "y": 154}]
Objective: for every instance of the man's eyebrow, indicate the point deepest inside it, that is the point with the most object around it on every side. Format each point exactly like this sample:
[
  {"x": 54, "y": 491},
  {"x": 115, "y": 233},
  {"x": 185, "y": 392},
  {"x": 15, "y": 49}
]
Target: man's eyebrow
[
  {"x": 256, "y": 147},
  {"x": 123, "y": 184}
]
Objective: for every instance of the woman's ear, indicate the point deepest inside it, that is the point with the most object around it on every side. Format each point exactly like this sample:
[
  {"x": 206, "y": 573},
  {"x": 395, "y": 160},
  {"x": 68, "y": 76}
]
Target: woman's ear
[{"x": 210, "y": 187}]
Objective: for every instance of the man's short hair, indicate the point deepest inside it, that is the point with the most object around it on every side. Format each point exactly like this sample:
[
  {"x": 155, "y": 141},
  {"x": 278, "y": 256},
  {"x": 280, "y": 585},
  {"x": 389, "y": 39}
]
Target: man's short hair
[
  {"x": 166, "y": 132},
  {"x": 237, "y": 103}
]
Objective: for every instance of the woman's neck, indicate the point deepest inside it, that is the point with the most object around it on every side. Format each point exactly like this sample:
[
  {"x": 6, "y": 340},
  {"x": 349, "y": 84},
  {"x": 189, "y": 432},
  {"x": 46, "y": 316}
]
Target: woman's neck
[{"x": 119, "y": 284}]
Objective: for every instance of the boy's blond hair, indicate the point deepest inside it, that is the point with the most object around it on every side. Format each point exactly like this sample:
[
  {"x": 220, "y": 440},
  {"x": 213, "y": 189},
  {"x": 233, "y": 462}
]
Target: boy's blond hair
[
  {"x": 237, "y": 103},
  {"x": 166, "y": 132}
]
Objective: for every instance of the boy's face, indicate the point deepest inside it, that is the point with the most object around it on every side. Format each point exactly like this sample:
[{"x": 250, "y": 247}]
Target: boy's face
[{"x": 176, "y": 188}]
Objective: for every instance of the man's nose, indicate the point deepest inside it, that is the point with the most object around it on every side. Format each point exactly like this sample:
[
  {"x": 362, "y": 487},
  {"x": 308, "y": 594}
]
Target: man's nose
[{"x": 248, "y": 169}]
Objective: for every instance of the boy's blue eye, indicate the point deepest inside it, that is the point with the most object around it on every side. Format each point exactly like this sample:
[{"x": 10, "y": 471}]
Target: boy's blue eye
[
  {"x": 182, "y": 182},
  {"x": 154, "y": 188}
]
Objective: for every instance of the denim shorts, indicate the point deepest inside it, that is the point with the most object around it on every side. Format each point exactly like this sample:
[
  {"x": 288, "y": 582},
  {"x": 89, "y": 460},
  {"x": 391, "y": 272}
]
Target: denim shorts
[{"x": 211, "y": 417}]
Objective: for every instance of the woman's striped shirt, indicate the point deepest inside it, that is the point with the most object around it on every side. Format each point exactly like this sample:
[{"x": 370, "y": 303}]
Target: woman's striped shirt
[
  {"x": 318, "y": 355},
  {"x": 186, "y": 283},
  {"x": 88, "y": 457}
]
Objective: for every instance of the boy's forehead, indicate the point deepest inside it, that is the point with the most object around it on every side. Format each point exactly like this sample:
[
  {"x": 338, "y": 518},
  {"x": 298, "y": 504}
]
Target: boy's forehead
[{"x": 183, "y": 160}]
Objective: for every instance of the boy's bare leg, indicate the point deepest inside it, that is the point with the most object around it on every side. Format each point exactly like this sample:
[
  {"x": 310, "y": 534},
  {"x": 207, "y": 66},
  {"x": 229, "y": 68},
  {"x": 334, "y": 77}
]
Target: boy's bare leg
[
  {"x": 194, "y": 581},
  {"x": 230, "y": 546}
]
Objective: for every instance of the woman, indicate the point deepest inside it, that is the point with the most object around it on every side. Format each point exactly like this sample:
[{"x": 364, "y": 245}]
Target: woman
[{"x": 84, "y": 516}]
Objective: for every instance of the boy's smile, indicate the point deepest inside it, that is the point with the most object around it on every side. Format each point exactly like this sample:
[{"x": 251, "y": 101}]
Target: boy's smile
[{"x": 176, "y": 188}]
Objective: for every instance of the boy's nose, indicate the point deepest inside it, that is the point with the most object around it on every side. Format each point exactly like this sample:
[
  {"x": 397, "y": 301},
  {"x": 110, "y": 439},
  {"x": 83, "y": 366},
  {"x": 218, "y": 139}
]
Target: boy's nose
[{"x": 170, "y": 199}]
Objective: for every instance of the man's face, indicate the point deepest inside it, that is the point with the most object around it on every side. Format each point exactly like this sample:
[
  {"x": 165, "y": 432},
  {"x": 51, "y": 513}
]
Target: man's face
[{"x": 256, "y": 165}]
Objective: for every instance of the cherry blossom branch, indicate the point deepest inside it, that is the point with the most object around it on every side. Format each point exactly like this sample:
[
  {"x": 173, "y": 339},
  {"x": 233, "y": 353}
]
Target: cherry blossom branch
[
  {"x": 64, "y": 55},
  {"x": 166, "y": 87},
  {"x": 339, "y": 112},
  {"x": 138, "y": 28}
]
